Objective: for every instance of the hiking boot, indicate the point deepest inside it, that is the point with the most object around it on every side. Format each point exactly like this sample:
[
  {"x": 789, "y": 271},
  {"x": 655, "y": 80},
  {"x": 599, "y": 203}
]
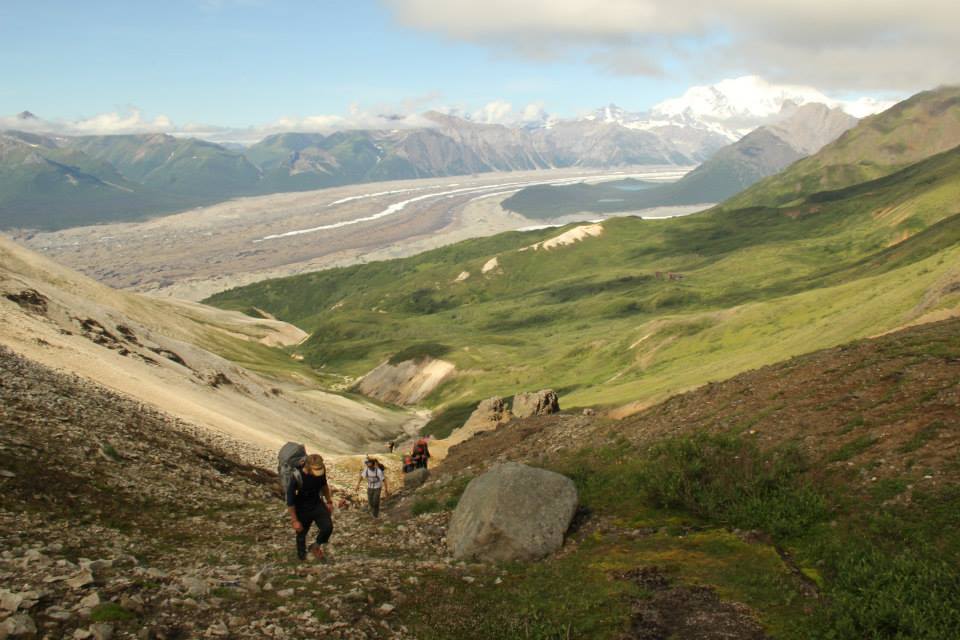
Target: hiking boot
[{"x": 317, "y": 551}]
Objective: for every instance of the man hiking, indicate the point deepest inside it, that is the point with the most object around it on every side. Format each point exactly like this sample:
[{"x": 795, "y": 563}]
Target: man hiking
[
  {"x": 373, "y": 473},
  {"x": 306, "y": 508}
]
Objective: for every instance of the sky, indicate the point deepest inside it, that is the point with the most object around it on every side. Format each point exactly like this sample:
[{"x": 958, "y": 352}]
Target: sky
[{"x": 189, "y": 64}]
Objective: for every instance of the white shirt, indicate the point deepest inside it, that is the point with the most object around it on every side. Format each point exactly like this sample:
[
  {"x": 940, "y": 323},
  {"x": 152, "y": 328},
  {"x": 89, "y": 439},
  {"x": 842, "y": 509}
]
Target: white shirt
[{"x": 373, "y": 476}]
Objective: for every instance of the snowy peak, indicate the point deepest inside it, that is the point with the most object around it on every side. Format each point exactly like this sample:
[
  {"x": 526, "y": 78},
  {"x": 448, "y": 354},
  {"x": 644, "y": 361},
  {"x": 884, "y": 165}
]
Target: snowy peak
[
  {"x": 742, "y": 104},
  {"x": 610, "y": 114}
]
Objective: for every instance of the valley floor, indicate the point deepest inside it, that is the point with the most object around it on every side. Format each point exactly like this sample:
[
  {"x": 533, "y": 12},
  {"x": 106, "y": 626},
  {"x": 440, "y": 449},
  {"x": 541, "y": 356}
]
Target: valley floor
[{"x": 197, "y": 253}]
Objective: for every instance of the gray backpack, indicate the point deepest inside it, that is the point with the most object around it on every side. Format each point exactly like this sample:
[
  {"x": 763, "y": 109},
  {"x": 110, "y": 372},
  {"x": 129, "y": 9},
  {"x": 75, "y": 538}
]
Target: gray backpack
[{"x": 289, "y": 462}]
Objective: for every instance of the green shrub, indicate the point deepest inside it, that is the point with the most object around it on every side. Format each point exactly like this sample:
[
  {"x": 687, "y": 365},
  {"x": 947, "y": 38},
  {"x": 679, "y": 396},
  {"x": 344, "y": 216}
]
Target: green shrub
[
  {"x": 110, "y": 612},
  {"x": 728, "y": 479},
  {"x": 425, "y": 505},
  {"x": 875, "y": 593}
]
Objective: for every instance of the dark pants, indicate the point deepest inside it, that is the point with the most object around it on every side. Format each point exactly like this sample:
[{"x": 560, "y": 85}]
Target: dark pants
[
  {"x": 373, "y": 497},
  {"x": 314, "y": 515}
]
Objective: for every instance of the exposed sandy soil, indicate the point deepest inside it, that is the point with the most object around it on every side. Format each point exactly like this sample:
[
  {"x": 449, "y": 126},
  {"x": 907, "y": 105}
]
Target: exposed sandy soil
[{"x": 196, "y": 253}]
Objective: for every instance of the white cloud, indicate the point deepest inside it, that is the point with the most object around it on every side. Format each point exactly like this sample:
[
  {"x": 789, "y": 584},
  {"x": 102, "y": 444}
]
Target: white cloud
[
  {"x": 496, "y": 112},
  {"x": 131, "y": 121},
  {"x": 885, "y": 45}
]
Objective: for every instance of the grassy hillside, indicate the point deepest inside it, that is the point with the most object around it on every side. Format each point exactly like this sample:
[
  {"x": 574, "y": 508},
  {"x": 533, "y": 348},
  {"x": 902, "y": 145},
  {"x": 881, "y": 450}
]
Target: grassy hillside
[
  {"x": 923, "y": 125},
  {"x": 820, "y": 492},
  {"x": 593, "y": 320}
]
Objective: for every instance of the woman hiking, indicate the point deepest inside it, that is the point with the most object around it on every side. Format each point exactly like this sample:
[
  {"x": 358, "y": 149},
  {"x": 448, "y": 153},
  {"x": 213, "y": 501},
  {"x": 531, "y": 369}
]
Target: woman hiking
[
  {"x": 306, "y": 508},
  {"x": 376, "y": 478}
]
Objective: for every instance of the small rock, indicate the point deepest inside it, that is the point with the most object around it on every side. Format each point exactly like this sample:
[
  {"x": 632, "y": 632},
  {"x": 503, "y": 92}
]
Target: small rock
[
  {"x": 56, "y": 613},
  {"x": 82, "y": 634},
  {"x": 285, "y": 593},
  {"x": 90, "y": 601},
  {"x": 10, "y": 601},
  {"x": 7, "y": 474},
  {"x": 217, "y": 630},
  {"x": 386, "y": 609},
  {"x": 195, "y": 586},
  {"x": 18, "y": 626},
  {"x": 102, "y": 631},
  {"x": 132, "y": 603},
  {"x": 80, "y": 580}
]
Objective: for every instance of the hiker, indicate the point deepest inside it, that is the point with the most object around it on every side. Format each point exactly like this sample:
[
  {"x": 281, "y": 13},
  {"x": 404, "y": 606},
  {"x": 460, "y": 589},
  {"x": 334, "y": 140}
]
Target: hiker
[
  {"x": 408, "y": 465},
  {"x": 306, "y": 508},
  {"x": 391, "y": 446},
  {"x": 421, "y": 453},
  {"x": 373, "y": 472}
]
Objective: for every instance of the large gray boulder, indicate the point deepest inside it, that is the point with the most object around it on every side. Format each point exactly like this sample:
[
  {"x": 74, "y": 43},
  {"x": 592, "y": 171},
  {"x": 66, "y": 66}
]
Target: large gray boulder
[
  {"x": 415, "y": 478},
  {"x": 512, "y": 512},
  {"x": 540, "y": 403}
]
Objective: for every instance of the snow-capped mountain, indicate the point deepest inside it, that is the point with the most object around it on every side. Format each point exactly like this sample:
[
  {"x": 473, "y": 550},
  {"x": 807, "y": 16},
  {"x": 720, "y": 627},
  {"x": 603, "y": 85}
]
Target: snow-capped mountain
[{"x": 731, "y": 108}]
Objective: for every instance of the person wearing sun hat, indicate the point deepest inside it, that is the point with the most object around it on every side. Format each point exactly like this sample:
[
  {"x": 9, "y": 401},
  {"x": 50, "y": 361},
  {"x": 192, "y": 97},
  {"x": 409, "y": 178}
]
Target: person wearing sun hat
[{"x": 306, "y": 508}]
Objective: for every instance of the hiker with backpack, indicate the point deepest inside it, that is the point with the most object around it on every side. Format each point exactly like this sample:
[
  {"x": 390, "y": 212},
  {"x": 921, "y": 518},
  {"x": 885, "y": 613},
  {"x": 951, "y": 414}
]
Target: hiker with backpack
[
  {"x": 304, "y": 478},
  {"x": 420, "y": 454},
  {"x": 375, "y": 474}
]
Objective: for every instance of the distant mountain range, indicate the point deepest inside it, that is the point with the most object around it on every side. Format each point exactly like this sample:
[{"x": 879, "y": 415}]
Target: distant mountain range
[
  {"x": 57, "y": 181},
  {"x": 763, "y": 152}
]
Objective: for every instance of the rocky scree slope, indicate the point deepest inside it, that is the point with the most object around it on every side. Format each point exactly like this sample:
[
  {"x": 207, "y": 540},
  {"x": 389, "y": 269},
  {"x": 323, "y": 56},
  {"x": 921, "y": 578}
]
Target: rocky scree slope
[{"x": 120, "y": 521}]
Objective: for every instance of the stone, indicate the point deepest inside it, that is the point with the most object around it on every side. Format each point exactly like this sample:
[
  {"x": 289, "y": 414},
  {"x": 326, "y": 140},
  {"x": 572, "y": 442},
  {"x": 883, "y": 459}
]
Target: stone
[
  {"x": 90, "y": 601},
  {"x": 415, "y": 478},
  {"x": 386, "y": 609},
  {"x": 10, "y": 601},
  {"x": 80, "y": 579},
  {"x": 489, "y": 414},
  {"x": 102, "y": 631},
  {"x": 217, "y": 630},
  {"x": 18, "y": 626},
  {"x": 540, "y": 403},
  {"x": 82, "y": 634},
  {"x": 132, "y": 603},
  {"x": 196, "y": 587},
  {"x": 285, "y": 593},
  {"x": 513, "y": 512}
]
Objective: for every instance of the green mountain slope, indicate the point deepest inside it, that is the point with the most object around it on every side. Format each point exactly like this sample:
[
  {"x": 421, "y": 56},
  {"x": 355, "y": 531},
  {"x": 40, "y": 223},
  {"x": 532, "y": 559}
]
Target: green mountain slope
[
  {"x": 45, "y": 184},
  {"x": 921, "y": 126},
  {"x": 594, "y": 320},
  {"x": 733, "y": 168},
  {"x": 761, "y": 153},
  {"x": 186, "y": 166}
]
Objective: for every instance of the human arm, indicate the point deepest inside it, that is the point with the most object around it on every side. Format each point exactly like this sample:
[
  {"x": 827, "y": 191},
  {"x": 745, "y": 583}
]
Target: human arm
[
  {"x": 328, "y": 495},
  {"x": 291, "y": 505},
  {"x": 294, "y": 521}
]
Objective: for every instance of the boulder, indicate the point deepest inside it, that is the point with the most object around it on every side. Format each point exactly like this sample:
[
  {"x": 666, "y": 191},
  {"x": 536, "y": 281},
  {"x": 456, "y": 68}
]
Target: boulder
[
  {"x": 415, "y": 478},
  {"x": 489, "y": 414},
  {"x": 512, "y": 512},
  {"x": 540, "y": 403}
]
